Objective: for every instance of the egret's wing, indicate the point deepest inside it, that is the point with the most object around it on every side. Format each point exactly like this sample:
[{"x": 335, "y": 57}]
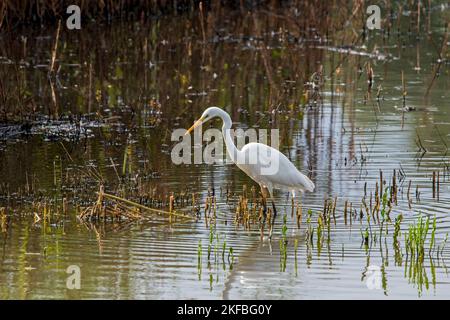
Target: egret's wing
[
  {"x": 272, "y": 167},
  {"x": 258, "y": 155}
]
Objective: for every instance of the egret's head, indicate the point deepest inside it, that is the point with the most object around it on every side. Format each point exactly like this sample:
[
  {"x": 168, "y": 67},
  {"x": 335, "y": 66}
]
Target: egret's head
[{"x": 207, "y": 115}]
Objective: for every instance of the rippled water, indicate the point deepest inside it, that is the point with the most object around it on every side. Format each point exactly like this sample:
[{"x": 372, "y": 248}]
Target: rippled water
[{"x": 158, "y": 77}]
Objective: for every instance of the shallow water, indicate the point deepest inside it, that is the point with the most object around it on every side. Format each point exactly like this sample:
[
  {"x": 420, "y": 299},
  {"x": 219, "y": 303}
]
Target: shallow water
[{"x": 135, "y": 83}]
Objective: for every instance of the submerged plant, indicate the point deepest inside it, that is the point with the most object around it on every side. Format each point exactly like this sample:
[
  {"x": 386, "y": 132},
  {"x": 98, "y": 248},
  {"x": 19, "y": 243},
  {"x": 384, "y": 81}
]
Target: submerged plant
[
  {"x": 433, "y": 236},
  {"x": 231, "y": 258},
  {"x": 283, "y": 245},
  {"x": 211, "y": 238},
  {"x": 397, "y": 250},
  {"x": 386, "y": 209},
  {"x": 365, "y": 238}
]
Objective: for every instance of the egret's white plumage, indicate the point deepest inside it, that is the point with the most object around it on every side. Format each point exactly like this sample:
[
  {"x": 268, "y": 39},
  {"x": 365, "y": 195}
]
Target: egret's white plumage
[
  {"x": 287, "y": 177},
  {"x": 270, "y": 168}
]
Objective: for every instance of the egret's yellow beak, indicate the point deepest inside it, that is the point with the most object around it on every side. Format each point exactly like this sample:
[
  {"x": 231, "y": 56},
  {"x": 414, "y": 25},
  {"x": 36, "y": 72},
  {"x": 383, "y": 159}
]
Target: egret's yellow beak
[{"x": 195, "y": 125}]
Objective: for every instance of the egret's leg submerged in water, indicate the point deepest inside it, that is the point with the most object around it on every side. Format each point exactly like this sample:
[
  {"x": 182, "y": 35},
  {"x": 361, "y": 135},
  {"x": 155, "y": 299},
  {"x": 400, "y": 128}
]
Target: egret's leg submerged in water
[
  {"x": 264, "y": 203},
  {"x": 264, "y": 194},
  {"x": 262, "y": 224},
  {"x": 267, "y": 194},
  {"x": 273, "y": 220}
]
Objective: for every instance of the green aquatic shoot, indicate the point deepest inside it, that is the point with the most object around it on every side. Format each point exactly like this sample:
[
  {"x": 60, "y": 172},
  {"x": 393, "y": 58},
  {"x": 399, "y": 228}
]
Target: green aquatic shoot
[
  {"x": 365, "y": 238},
  {"x": 224, "y": 247},
  {"x": 284, "y": 228},
  {"x": 398, "y": 221},
  {"x": 308, "y": 220},
  {"x": 384, "y": 212},
  {"x": 199, "y": 259},
  {"x": 215, "y": 247},
  {"x": 283, "y": 245},
  {"x": 211, "y": 281},
  {"x": 433, "y": 236},
  {"x": 231, "y": 258},
  {"x": 211, "y": 238}
]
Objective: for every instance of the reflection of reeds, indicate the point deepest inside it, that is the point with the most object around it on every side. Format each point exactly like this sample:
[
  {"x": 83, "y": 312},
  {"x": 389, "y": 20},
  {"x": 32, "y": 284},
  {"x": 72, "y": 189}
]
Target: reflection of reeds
[
  {"x": 286, "y": 88},
  {"x": 3, "y": 220},
  {"x": 276, "y": 82},
  {"x": 12, "y": 11},
  {"x": 31, "y": 11},
  {"x": 436, "y": 182},
  {"x": 442, "y": 53}
]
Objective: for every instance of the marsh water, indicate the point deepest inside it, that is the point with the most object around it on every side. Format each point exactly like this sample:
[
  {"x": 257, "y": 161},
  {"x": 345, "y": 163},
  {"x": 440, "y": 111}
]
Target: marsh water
[{"x": 106, "y": 114}]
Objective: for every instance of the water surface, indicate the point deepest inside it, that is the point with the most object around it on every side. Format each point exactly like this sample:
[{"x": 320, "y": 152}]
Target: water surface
[{"x": 123, "y": 88}]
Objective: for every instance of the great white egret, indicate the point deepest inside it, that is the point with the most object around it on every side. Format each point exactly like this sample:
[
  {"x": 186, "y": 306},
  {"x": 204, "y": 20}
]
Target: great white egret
[{"x": 270, "y": 168}]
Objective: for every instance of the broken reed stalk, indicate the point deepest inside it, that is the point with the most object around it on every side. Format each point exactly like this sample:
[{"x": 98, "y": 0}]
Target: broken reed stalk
[
  {"x": 409, "y": 189},
  {"x": 299, "y": 216},
  {"x": 200, "y": 6},
  {"x": 437, "y": 67},
  {"x": 369, "y": 76},
  {"x": 404, "y": 98},
  {"x": 381, "y": 183},
  {"x": 350, "y": 213},
  {"x": 434, "y": 184},
  {"x": 193, "y": 202},
  {"x": 404, "y": 88},
  {"x": 334, "y": 210},
  {"x": 55, "y": 48},
  {"x": 438, "y": 185},
  {"x": 140, "y": 206},
  {"x": 409, "y": 198},
  {"x": 394, "y": 188},
  {"x": 90, "y": 89},
  {"x": 171, "y": 203},
  {"x": 418, "y": 17},
  {"x": 292, "y": 207},
  {"x": 419, "y": 144},
  {"x": 345, "y": 212}
]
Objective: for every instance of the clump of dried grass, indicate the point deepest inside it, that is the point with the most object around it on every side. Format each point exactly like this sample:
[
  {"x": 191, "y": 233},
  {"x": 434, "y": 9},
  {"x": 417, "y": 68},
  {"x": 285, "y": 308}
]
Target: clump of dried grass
[{"x": 115, "y": 208}]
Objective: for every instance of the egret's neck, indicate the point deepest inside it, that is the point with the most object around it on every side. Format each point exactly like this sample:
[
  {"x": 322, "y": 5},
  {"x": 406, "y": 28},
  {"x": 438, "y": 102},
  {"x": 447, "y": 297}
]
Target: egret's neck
[{"x": 231, "y": 147}]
